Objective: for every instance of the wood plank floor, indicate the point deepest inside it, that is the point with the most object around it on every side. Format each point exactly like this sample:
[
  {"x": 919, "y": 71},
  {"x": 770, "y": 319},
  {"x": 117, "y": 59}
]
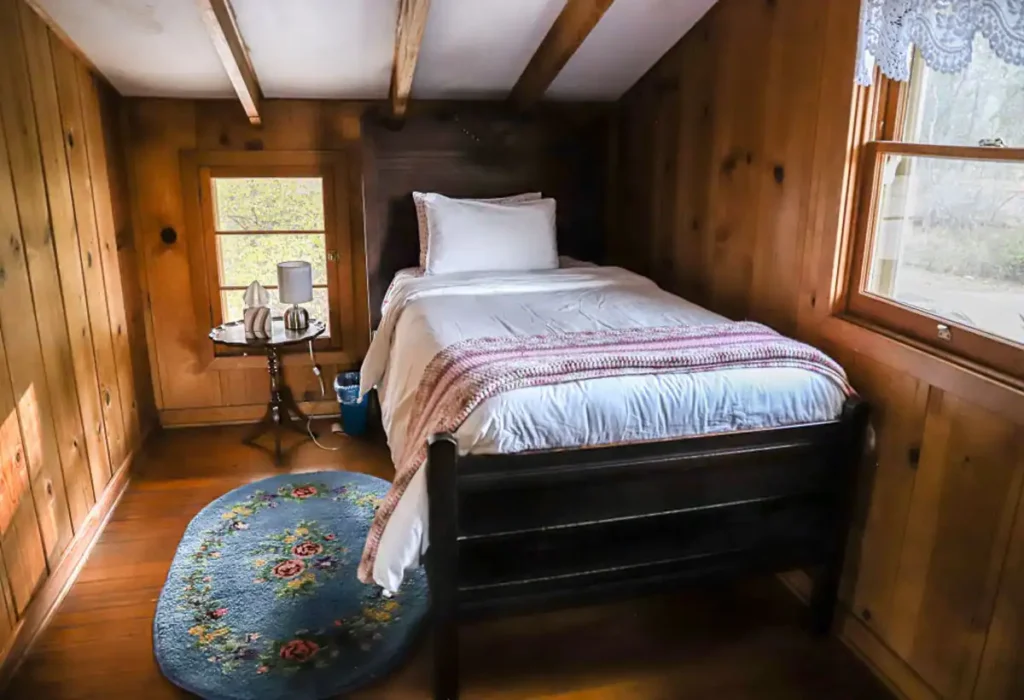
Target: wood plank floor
[{"x": 743, "y": 641}]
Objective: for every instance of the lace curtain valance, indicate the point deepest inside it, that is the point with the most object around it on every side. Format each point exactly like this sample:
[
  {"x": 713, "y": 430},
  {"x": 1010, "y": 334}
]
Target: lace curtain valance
[{"x": 943, "y": 30}]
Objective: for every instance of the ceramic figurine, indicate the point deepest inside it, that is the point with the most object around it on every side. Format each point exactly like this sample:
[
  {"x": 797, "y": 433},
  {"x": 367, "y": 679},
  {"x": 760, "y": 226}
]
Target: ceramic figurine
[{"x": 257, "y": 316}]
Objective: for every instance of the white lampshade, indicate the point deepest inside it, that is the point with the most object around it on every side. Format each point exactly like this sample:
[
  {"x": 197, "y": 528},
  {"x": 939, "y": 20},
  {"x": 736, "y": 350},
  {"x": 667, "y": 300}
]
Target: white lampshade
[{"x": 295, "y": 282}]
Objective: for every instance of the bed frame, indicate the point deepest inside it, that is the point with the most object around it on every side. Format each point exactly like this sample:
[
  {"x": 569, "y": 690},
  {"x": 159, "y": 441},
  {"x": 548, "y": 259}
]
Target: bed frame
[
  {"x": 525, "y": 531},
  {"x": 515, "y": 532}
]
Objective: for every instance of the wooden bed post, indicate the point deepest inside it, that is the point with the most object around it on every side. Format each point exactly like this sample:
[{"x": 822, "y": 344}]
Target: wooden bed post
[
  {"x": 442, "y": 563},
  {"x": 825, "y": 594}
]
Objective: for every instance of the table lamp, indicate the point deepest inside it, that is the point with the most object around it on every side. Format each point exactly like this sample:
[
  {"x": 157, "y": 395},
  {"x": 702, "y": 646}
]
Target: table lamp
[{"x": 295, "y": 286}]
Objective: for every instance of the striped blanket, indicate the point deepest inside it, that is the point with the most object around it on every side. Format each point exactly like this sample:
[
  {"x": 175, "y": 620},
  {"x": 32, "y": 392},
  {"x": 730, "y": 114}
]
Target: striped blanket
[{"x": 463, "y": 375}]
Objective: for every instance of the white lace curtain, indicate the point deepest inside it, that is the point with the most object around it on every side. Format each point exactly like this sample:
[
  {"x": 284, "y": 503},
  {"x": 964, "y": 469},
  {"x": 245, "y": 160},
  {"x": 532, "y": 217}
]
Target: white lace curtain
[{"x": 943, "y": 30}]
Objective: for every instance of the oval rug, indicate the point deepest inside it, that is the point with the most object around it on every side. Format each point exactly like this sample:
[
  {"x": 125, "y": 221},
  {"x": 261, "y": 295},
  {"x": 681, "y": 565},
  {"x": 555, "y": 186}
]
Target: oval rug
[{"x": 262, "y": 599}]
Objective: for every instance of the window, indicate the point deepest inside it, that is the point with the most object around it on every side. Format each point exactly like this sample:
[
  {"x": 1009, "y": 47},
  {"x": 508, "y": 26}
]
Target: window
[
  {"x": 939, "y": 247},
  {"x": 257, "y": 217}
]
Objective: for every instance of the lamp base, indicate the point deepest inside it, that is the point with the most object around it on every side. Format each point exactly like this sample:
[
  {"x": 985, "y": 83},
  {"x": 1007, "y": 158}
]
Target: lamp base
[{"x": 296, "y": 318}]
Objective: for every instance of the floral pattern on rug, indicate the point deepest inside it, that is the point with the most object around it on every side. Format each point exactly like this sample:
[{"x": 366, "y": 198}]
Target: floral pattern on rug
[
  {"x": 296, "y": 560},
  {"x": 318, "y": 647},
  {"x": 293, "y": 562}
]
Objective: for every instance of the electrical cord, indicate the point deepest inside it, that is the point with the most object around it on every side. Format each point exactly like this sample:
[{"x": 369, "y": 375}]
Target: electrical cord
[{"x": 318, "y": 371}]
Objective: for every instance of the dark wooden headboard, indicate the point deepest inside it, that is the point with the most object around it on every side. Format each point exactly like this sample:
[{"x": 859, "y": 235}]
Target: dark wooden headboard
[{"x": 478, "y": 151}]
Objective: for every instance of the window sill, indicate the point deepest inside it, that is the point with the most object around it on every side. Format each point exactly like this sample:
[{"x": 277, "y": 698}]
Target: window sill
[
  {"x": 998, "y": 392},
  {"x": 288, "y": 359}
]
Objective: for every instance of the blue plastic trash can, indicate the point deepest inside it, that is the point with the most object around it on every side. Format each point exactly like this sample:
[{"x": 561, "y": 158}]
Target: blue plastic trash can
[{"x": 354, "y": 413}]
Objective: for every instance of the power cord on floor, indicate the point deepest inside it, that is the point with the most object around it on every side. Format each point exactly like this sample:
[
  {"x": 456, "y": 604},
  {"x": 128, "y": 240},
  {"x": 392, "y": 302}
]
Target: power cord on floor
[{"x": 318, "y": 371}]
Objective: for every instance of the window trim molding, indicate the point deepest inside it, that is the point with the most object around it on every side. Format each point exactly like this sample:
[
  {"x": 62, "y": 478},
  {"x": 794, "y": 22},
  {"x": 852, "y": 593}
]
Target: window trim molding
[
  {"x": 346, "y": 344},
  {"x": 969, "y": 347},
  {"x": 331, "y": 244},
  {"x": 839, "y": 134}
]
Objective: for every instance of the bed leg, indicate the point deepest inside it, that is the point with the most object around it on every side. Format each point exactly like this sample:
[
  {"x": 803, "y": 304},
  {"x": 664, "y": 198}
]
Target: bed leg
[
  {"x": 825, "y": 593},
  {"x": 824, "y": 596},
  {"x": 442, "y": 563}
]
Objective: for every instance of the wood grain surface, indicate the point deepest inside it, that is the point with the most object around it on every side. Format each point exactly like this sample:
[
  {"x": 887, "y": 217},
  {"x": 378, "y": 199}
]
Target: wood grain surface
[{"x": 737, "y": 642}]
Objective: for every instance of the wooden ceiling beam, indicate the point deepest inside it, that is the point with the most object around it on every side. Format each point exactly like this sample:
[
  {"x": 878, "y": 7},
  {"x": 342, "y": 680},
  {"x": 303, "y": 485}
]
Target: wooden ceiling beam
[
  {"x": 227, "y": 40},
  {"x": 412, "y": 21},
  {"x": 574, "y": 24}
]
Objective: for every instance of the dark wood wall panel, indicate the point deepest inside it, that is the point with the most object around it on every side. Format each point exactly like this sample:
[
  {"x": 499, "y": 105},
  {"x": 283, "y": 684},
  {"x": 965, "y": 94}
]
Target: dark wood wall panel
[{"x": 479, "y": 151}]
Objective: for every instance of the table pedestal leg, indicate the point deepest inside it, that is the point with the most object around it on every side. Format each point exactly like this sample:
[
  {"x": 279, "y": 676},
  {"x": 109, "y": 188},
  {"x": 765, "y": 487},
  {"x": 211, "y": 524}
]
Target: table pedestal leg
[{"x": 279, "y": 411}]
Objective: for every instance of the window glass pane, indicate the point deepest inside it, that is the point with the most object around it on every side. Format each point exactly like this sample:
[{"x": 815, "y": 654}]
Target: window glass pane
[
  {"x": 231, "y": 305},
  {"x": 246, "y": 257},
  {"x": 950, "y": 240},
  {"x": 268, "y": 203},
  {"x": 984, "y": 102}
]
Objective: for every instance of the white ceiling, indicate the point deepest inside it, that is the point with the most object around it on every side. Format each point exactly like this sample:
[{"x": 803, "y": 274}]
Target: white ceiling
[
  {"x": 145, "y": 47},
  {"x": 479, "y": 48},
  {"x": 629, "y": 39},
  {"x": 344, "y": 48},
  {"x": 319, "y": 48}
]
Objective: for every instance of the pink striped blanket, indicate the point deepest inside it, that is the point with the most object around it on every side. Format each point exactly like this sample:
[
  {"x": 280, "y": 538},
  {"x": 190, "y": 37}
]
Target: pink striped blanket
[{"x": 463, "y": 375}]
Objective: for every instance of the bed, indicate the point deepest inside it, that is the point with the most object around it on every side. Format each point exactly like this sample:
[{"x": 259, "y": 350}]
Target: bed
[{"x": 527, "y": 504}]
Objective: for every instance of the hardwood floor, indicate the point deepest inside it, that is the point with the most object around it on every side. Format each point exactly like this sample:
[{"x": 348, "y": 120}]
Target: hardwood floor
[{"x": 743, "y": 641}]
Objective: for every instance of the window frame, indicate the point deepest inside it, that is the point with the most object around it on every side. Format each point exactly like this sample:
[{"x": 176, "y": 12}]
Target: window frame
[
  {"x": 966, "y": 345},
  {"x": 207, "y": 174},
  {"x": 345, "y": 345}
]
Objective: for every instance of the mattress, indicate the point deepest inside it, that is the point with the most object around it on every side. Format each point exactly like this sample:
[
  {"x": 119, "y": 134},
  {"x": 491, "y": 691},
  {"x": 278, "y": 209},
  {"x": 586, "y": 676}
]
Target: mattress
[{"x": 427, "y": 314}]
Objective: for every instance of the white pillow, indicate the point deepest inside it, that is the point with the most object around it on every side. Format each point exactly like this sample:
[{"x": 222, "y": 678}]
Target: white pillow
[
  {"x": 424, "y": 227},
  {"x": 467, "y": 236}
]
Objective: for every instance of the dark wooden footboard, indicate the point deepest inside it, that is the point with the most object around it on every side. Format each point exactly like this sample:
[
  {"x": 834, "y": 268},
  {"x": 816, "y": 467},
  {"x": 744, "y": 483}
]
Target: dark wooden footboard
[{"x": 512, "y": 532}]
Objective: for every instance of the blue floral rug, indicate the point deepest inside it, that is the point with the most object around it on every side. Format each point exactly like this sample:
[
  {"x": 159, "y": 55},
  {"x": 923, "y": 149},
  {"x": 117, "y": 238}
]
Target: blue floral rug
[{"x": 262, "y": 599}]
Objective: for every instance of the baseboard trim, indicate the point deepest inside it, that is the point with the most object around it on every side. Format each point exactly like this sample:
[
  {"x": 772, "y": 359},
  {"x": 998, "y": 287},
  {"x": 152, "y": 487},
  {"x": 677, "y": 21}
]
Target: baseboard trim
[
  {"x": 233, "y": 415},
  {"x": 888, "y": 667},
  {"x": 51, "y": 593}
]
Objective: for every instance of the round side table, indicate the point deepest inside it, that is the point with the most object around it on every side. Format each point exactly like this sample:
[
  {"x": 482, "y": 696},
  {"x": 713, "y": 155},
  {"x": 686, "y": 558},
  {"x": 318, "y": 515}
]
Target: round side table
[{"x": 282, "y": 403}]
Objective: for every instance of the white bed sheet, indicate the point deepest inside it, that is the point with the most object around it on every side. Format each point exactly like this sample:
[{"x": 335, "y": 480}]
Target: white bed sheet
[{"x": 433, "y": 312}]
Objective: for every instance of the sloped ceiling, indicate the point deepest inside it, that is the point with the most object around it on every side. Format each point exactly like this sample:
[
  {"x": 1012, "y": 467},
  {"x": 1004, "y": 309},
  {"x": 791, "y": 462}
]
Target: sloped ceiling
[
  {"x": 157, "y": 48},
  {"x": 319, "y": 48},
  {"x": 629, "y": 39},
  {"x": 479, "y": 49},
  {"x": 344, "y": 48}
]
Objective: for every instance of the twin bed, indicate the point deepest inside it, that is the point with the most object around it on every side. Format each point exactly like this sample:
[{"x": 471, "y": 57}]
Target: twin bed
[{"x": 590, "y": 435}]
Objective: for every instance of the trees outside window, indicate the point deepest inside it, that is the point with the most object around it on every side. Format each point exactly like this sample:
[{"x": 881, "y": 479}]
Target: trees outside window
[{"x": 939, "y": 253}]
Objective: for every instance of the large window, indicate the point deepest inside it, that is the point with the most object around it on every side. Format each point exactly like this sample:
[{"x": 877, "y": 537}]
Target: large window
[
  {"x": 939, "y": 250},
  {"x": 258, "y": 217}
]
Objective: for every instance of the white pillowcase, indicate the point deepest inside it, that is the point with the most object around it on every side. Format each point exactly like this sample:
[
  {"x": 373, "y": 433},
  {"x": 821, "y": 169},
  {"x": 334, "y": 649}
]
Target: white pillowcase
[
  {"x": 424, "y": 227},
  {"x": 468, "y": 236}
]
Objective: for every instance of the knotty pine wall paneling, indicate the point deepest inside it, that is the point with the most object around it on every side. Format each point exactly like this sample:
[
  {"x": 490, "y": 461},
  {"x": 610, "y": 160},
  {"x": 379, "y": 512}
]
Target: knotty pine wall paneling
[
  {"x": 187, "y": 389},
  {"x": 734, "y": 153},
  {"x": 119, "y": 397},
  {"x": 105, "y": 428},
  {"x": 7, "y": 616},
  {"x": 60, "y": 442},
  {"x": 710, "y": 126},
  {"x": 157, "y": 131},
  {"x": 88, "y": 457},
  {"x": 138, "y": 403},
  {"x": 39, "y": 358},
  {"x": 21, "y": 544},
  {"x": 1002, "y": 668}
]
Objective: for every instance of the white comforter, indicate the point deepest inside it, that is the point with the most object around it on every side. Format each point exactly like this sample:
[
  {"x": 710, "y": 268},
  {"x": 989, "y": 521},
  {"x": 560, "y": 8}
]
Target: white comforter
[{"x": 426, "y": 314}]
